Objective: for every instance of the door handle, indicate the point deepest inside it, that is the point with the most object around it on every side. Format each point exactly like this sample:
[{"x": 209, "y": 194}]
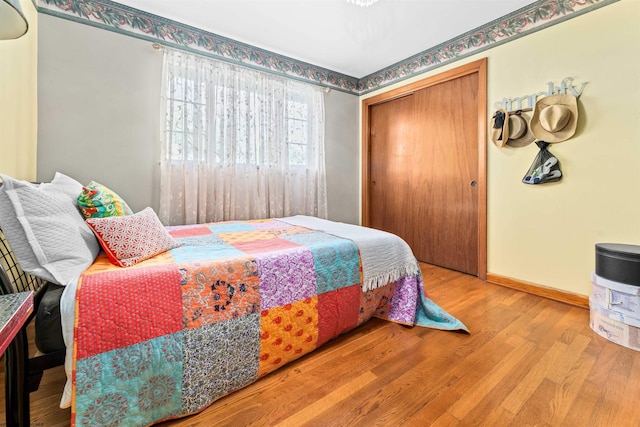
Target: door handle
[{"x": 473, "y": 183}]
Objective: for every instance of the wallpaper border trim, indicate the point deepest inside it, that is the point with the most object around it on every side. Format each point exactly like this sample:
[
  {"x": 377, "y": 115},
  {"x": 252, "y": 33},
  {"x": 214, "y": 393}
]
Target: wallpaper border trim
[
  {"x": 522, "y": 22},
  {"x": 125, "y": 20}
]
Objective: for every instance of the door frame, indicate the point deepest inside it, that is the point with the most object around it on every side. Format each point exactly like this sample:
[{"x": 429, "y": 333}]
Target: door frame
[{"x": 479, "y": 67}]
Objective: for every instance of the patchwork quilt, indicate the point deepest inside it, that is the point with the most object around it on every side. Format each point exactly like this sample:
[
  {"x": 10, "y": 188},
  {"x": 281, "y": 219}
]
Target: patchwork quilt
[{"x": 234, "y": 302}]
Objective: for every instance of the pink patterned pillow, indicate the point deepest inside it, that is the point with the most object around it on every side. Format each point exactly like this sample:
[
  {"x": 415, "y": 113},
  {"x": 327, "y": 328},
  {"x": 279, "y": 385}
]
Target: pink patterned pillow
[{"x": 129, "y": 239}]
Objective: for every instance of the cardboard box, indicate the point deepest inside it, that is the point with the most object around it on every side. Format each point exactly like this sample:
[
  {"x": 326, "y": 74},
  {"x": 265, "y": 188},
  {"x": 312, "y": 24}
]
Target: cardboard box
[
  {"x": 619, "y": 262},
  {"x": 626, "y": 304},
  {"x": 615, "y": 331},
  {"x": 615, "y": 315},
  {"x": 611, "y": 284}
]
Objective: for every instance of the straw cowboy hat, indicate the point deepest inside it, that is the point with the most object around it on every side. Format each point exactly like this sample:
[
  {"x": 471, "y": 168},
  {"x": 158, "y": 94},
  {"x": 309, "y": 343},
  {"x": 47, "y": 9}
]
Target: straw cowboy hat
[
  {"x": 500, "y": 128},
  {"x": 513, "y": 131},
  {"x": 555, "y": 118},
  {"x": 519, "y": 132}
]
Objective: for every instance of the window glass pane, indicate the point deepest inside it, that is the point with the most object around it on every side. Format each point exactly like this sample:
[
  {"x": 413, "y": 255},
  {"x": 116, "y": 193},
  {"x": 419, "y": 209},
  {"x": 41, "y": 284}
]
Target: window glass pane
[
  {"x": 202, "y": 120},
  {"x": 189, "y": 117},
  {"x": 297, "y": 154},
  {"x": 177, "y": 144},
  {"x": 189, "y": 149},
  {"x": 178, "y": 117},
  {"x": 297, "y": 110},
  {"x": 297, "y": 132}
]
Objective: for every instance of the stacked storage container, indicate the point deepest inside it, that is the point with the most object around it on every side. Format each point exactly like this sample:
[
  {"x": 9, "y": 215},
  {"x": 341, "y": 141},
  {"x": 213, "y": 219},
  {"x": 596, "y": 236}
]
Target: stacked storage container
[{"x": 615, "y": 295}]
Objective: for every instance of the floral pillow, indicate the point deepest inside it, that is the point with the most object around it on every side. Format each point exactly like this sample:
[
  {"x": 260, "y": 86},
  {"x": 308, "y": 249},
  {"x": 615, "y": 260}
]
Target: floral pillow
[
  {"x": 130, "y": 239},
  {"x": 97, "y": 201}
]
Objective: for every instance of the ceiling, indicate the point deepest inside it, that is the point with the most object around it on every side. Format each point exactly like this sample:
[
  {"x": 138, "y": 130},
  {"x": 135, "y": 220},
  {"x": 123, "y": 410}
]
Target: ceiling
[{"x": 334, "y": 34}]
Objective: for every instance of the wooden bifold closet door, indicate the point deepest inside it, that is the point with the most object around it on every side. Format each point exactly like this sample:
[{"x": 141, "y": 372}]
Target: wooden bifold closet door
[{"x": 424, "y": 171}]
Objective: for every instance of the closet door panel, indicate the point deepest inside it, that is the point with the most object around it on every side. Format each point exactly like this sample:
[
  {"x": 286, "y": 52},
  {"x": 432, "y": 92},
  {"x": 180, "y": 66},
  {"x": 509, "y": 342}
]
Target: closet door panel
[
  {"x": 423, "y": 163},
  {"x": 392, "y": 145},
  {"x": 447, "y": 147}
]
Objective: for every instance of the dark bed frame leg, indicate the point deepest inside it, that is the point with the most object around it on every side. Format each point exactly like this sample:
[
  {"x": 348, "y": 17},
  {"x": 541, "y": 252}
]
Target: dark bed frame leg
[
  {"x": 23, "y": 376},
  {"x": 16, "y": 389}
]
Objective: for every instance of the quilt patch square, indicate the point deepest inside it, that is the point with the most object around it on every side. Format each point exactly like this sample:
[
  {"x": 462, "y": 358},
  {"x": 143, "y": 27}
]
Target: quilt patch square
[
  {"x": 247, "y": 236},
  {"x": 375, "y": 300},
  {"x": 217, "y": 292},
  {"x": 286, "y": 277},
  {"x": 130, "y": 385},
  {"x": 265, "y": 246},
  {"x": 202, "y": 240},
  {"x": 185, "y": 254},
  {"x": 102, "y": 264},
  {"x": 287, "y": 333},
  {"x": 188, "y": 231},
  {"x": 337, "y": 265},
  {"x": 114, "y": 311},
  {"x": 289, "y": 230},
  {"x": 269, "y": 223},
  {"x": 218, "y": 359},
  {"x": 231, "y": 227},
  {"x": 338, "y": 312},
  {"x": 402, "y": 308}
]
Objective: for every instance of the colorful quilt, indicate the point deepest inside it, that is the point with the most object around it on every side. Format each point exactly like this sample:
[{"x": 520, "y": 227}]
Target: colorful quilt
[{"x": 236, "y": 301}]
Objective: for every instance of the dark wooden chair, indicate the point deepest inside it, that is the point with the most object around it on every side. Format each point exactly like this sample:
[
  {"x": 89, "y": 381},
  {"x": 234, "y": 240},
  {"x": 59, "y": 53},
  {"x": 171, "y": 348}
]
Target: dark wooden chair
[{"x": 22, "y": 373}]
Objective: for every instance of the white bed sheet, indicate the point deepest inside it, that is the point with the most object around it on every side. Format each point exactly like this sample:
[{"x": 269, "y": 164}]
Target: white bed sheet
[{"x": 67, "y": 318}]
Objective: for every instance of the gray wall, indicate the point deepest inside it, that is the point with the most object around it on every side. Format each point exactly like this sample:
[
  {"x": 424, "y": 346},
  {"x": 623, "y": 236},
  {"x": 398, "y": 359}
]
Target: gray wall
[
  {"x": 98, "y": 95},
  {"x": 342, "y": 151},
  {"x": 99, "y": 118}
]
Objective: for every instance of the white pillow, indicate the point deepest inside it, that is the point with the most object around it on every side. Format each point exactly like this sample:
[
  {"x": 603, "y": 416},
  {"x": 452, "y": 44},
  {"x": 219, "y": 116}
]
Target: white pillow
[{"x": 45, "y": 228}]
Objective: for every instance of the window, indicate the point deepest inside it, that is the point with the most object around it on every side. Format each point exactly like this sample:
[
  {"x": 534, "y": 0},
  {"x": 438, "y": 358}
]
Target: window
[
  {"x": 238, "y": 143},
  {"x": 188, "y": 124},
  {"x": 297, "y": 129}
]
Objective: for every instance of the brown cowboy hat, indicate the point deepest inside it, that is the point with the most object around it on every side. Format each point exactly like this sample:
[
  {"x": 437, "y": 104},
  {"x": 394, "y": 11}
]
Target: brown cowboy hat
[
  {"x": 519, "y": 132},
  {"x": 555, "y": 118}
]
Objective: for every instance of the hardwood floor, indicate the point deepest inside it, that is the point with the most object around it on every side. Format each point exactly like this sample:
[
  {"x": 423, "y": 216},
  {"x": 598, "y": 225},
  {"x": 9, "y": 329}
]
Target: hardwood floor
[{"x": 528, "y": 361}]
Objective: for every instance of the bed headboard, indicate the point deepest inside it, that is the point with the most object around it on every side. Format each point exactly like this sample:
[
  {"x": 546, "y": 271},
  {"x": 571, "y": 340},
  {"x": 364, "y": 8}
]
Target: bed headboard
[{"x": 12, "y": 278}]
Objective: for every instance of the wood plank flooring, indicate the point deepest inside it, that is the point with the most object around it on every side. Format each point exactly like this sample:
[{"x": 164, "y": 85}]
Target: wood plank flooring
[{"x": 528, "y": 361}]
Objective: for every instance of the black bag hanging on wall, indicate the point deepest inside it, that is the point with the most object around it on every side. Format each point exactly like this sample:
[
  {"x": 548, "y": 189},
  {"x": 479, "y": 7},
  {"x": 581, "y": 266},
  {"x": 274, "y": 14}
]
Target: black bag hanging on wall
[{"x": 545, "y": 167}]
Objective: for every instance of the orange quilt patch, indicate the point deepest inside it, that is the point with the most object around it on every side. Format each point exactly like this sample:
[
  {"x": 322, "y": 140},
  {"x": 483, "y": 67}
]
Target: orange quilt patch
[
  {"x": 225, "y": 290},
  {"x": 376, "y": 302},
  {"x": 102, "y": 263},
  {"x": 287, "y": 333},
  {"x": 245, "y": 236}
]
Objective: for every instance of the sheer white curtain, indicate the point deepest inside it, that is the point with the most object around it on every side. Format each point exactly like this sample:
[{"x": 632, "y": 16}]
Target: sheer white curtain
[{"x": 238, "y": 143}]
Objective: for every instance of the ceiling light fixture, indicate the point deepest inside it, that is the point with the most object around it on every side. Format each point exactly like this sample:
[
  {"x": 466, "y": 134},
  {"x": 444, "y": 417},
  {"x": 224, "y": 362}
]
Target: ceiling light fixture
[
  {"x": 13, "y": 24},
  {"x": 362, "y": 3}
]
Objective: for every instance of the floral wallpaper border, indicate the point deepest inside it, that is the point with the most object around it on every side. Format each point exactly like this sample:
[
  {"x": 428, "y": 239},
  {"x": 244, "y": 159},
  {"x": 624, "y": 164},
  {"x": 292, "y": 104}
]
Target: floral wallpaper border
[
  {"x": 126, "y": 20},
  {"x": 526, "y": 20}
]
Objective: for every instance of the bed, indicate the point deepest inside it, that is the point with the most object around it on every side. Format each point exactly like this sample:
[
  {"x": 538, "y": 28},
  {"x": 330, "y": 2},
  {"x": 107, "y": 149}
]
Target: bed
[{"x": 225, "y": 305}]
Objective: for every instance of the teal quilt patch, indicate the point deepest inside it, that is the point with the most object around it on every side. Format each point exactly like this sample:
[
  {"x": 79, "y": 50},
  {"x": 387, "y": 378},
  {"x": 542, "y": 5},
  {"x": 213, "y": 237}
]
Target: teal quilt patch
[{"x": 131, "y": 385}]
